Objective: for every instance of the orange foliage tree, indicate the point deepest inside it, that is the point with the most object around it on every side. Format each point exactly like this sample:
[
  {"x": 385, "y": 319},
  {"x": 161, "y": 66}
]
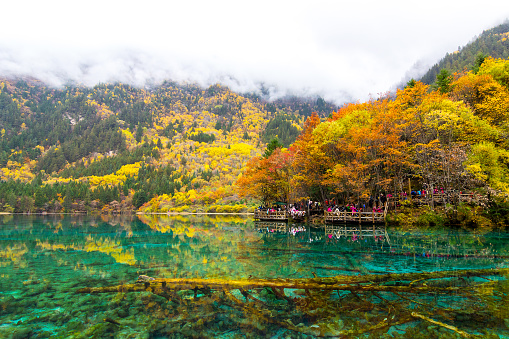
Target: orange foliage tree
[
  {"x": 268, "y": 179},
  {"x": 311, "y": 162},
  {"x": 419, "y": 136}
]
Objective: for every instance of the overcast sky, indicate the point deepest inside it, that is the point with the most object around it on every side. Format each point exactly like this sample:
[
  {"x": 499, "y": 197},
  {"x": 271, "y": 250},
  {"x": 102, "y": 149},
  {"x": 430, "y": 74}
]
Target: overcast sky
[{"x": 341, "y": 50}]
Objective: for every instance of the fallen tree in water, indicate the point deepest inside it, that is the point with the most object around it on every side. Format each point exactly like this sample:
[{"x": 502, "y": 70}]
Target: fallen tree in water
[{"x": 346, "y": 305}]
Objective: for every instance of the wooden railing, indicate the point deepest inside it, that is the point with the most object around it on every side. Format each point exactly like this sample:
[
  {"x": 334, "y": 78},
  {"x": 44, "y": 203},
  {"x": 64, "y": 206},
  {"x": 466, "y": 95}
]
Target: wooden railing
[
  {"x": 438, "y": 198},
  {"x": 270, "y": 215},
  {"x": 360, "y": 217}
]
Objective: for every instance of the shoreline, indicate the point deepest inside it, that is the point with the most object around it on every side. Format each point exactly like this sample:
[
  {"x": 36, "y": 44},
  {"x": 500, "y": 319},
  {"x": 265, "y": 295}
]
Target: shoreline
[
  {"x": 197, "y": 213},
  {"x": 132, "y": 213}
]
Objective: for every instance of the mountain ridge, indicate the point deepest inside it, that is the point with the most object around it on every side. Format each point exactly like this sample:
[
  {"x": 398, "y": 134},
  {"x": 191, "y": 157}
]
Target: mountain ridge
[
  {"x": 493, "y": 42},
  {"x": 132, "y": 144}
]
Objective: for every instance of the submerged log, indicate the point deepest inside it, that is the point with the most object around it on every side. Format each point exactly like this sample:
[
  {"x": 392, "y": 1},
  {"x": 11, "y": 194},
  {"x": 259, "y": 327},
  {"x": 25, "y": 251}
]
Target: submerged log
[
  {"x": 402, "y": 297},
  {"x": 439, "y": 323},
  {"x": 406, "y": 282}
]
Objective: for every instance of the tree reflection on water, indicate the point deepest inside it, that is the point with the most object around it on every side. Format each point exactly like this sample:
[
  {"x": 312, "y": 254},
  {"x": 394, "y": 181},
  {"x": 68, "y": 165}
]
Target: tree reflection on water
[{"x": 442, "y": 282}]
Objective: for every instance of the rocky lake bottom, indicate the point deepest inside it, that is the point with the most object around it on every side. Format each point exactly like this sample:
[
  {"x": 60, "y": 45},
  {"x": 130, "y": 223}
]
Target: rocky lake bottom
[{"x": 270, "y": 280}]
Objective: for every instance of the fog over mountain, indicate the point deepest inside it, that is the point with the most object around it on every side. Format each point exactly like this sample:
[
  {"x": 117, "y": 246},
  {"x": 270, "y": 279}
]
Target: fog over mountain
[{"x": 342, "y": 52}]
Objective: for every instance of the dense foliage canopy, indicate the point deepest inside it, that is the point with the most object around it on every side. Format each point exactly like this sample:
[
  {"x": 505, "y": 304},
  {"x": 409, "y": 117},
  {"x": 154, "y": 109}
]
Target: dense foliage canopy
[{"x": 454, "y": 138}]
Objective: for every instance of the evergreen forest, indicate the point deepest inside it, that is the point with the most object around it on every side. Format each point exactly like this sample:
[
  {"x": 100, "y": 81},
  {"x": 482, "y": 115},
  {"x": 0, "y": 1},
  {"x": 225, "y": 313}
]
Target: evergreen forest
[
  {"x": 115, "y": 148},
  {"x": 493, "y": 42}
]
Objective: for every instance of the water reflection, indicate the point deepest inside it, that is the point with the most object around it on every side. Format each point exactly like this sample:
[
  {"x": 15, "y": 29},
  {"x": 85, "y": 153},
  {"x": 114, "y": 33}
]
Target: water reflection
[{"x": 45, "y": 259}]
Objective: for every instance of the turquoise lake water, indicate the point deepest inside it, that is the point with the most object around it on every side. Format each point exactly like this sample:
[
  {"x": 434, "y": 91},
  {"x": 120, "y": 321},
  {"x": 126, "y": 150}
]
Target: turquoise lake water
[{"x": 45, "y": 260}]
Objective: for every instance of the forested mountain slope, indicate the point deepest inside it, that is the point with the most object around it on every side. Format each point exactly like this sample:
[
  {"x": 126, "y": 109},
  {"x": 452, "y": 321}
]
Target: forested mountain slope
[
  {"x": 451, "y": 142},
  {"x": 493, "y": 42},
  {"x": 118, "y": 146}
]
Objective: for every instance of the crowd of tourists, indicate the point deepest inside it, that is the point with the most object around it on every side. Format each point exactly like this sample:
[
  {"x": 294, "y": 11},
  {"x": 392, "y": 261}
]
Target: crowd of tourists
[
  {"x": 293, "y": 210},
  {"x": 296, "y": 213},
  {"x": 300, "y": 210},
  {"x": 272, "y": 209},
  {"x": 372, "y": 205}
]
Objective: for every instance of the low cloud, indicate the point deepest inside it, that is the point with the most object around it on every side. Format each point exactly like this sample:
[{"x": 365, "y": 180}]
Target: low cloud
[{"x": 341, "y": 52}]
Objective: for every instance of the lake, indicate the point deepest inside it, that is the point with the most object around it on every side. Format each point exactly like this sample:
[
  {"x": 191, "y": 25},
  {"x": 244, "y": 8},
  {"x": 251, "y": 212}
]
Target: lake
[{"x": 268, "y": 280}]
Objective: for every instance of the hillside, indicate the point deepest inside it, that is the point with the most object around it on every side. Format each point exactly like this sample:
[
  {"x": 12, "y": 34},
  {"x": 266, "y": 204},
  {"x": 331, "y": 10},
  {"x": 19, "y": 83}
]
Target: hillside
[
  {"x": 493, "y": 42},
  {"x": 446, "y": 148},
  {"x": 115, "y": 147}
]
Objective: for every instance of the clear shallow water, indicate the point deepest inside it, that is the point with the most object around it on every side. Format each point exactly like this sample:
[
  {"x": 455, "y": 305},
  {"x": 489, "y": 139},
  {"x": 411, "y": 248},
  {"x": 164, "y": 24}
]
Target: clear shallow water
[{"x": 45, "y": 260}]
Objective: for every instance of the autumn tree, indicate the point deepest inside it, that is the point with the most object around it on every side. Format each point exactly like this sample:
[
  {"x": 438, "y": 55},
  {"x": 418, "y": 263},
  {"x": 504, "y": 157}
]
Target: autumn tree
[
  {"x": 311, "y": 162},
  {"x": 268, "y": 179}
]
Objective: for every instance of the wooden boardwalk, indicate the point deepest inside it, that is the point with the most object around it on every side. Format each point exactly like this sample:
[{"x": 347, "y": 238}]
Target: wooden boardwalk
[
  {"x": 357, "y": 217},
  {"x": 438, "y": 199},
  {"x": 268, "y": 215}
]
